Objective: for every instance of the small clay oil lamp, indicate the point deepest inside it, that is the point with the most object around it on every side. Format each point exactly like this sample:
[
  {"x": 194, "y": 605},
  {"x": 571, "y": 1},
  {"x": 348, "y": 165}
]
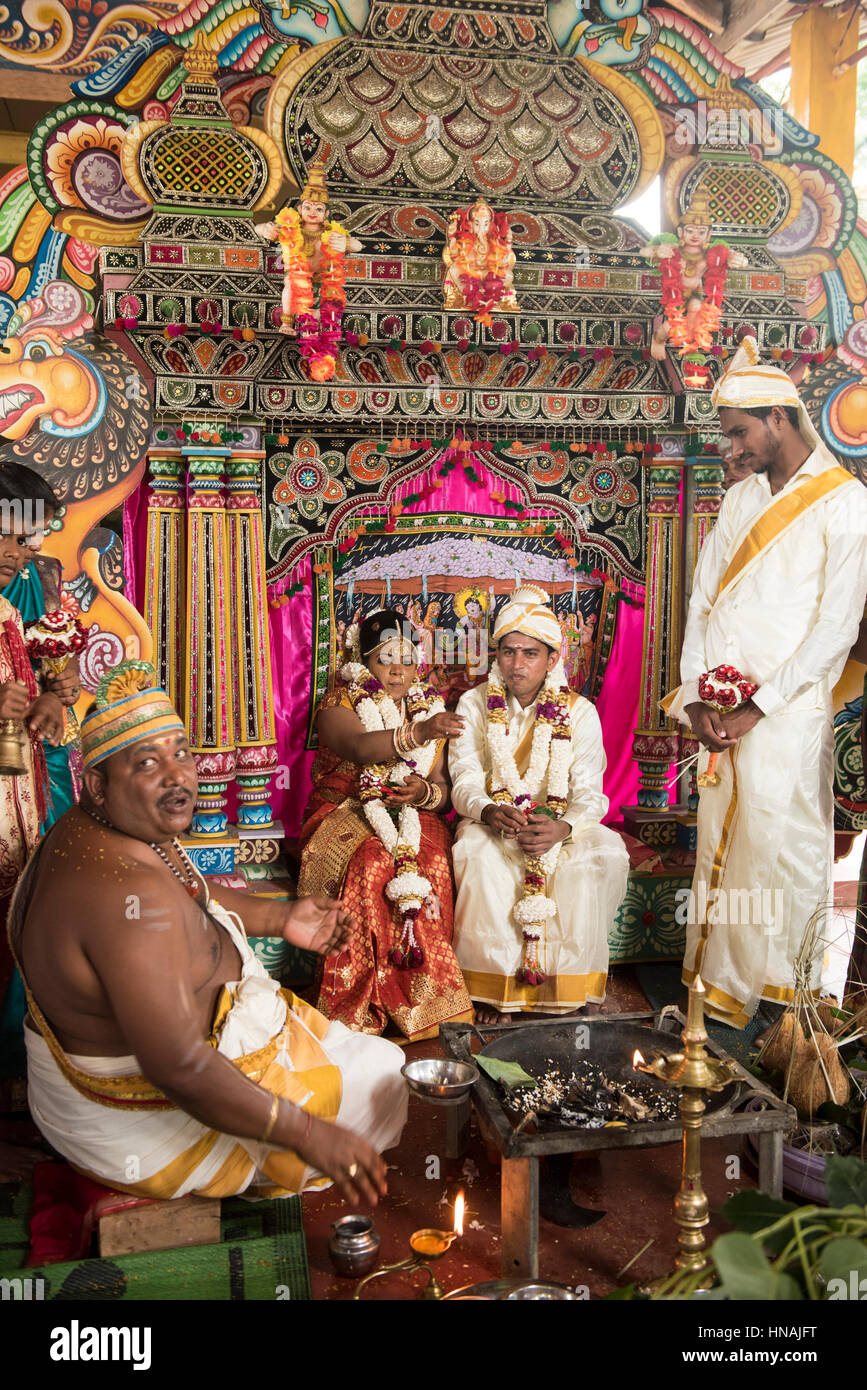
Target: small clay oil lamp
[{"x": 427, "y": 1244}]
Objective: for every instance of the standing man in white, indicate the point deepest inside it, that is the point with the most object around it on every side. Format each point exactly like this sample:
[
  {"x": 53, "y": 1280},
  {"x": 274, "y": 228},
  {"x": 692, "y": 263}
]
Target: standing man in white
[
  {"x": 538, "y": 878},
  {"x": 778, "y": 593}
]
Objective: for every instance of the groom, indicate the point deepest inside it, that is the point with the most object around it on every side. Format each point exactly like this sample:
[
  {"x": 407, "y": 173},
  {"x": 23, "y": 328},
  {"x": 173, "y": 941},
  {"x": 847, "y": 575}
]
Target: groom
[{"x": 538, "y": 878}]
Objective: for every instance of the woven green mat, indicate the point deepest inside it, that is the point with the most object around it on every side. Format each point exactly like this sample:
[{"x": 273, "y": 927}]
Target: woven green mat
[{"x": 262, "y": 1257}]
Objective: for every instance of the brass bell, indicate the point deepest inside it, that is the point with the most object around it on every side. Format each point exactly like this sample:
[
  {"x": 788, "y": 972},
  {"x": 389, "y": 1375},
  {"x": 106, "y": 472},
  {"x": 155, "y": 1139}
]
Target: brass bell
[{"x": 11, "y": 750}]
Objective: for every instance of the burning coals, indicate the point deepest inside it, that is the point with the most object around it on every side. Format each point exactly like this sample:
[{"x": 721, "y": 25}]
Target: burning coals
[{"x": 589, "y": 1099}]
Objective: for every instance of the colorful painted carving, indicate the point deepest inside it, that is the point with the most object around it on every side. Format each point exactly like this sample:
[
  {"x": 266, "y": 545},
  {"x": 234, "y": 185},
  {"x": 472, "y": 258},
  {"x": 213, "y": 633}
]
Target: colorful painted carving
[
  {"x": 472, "y": 609},
  {"x": 74, "y": 407},
  {"x": 693, "y": 271},
  {"x": 313, "y": 251},
  {"x": 479, "y": 260},
  {"x": 615, "y": 32}
]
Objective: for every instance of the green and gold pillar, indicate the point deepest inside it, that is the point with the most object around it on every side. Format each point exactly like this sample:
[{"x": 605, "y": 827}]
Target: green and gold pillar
[
  {"x": 702, "y": 499},
  {"x": 655, "y": 743},
  {"x": 165, "y": 576}
]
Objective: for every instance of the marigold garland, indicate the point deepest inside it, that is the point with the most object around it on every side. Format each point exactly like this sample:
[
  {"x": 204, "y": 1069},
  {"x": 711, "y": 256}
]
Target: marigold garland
[{"x": 674, "y": 299}]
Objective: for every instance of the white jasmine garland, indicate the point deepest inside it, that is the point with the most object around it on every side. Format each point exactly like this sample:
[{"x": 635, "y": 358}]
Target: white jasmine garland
[
  {"x": 378, "y": 712},
  {"x": 550, "y": 758}
]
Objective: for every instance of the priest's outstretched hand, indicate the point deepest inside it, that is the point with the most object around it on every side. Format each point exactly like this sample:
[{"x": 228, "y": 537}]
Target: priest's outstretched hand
[{"x": 318, "y": 924}]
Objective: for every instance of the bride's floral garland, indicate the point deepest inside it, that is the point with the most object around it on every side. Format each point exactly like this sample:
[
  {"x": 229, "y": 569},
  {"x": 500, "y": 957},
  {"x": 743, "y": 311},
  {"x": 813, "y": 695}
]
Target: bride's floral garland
[
  {"x": 318, "y": 337},
  {"x": 377, "y": 711},
  {"x": 550, "y": 753}
]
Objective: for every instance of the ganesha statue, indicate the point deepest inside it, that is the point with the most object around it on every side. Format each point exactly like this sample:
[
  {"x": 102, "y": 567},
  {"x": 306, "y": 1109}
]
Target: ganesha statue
[{"x": 478, "y": 262}]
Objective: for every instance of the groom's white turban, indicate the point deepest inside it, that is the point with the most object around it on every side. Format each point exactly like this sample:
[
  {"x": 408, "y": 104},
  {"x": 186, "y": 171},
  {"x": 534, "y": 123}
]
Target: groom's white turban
[{"x": 528, "y": 612}]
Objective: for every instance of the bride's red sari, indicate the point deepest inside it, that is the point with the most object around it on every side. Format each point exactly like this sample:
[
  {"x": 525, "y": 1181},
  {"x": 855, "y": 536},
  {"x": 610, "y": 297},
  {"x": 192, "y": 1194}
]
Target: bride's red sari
[{"x": 342, "y": 857}]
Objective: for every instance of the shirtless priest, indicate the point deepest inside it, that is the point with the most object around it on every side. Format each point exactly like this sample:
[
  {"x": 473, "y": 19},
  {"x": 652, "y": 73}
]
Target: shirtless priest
[
  {"x": 162, "y": 1059},
  {"x": 537, "y": 889}
]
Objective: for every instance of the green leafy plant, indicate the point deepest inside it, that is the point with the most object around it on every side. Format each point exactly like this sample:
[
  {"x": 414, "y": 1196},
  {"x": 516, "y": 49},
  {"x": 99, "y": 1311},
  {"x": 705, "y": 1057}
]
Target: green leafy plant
[{"x": 782, "y": 1251}]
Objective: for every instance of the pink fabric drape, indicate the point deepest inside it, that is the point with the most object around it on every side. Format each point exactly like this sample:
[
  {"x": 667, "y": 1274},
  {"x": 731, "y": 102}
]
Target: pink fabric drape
[
  {"x": 617, "y": 705},
  {"x": 135, "y": 539},
  {"x": 292, "y": 645},
  {"x": 456, "y": 493},
  {"x": 291, "y": 631}
]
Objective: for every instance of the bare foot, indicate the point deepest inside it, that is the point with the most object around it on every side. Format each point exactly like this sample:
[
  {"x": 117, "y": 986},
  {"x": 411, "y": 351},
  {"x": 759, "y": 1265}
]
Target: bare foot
[{"x": 488, "y": 1016}]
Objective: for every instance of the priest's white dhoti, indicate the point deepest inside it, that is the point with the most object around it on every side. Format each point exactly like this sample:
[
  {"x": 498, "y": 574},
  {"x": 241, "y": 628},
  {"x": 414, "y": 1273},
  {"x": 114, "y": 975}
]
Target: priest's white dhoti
[{"x": 110, "y": 1124}]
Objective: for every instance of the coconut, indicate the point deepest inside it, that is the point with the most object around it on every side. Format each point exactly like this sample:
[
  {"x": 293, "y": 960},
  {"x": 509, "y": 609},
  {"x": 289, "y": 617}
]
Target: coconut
[
  {"x": 859, "y": 1015},
  {"x": 783, "y": 1042},
  {"x": 808, "y": 1086},
  {"x": 831, "y": 1024}
]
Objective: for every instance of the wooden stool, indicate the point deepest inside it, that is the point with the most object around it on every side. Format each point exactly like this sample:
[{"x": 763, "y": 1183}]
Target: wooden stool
[{"x": 131, "y": 1224}]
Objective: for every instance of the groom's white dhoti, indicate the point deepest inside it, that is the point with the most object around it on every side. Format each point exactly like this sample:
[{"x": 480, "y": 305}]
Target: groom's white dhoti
[
  {"x": 778, "y": 593},
  {"x": 586, "y": 887}
]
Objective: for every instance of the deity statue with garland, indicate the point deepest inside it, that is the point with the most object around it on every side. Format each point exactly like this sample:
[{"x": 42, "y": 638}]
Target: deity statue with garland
[
  {"x": 479, "y": 262},
  {"x": 693, "y": 271},
  {"x": 313, "y": 250}
]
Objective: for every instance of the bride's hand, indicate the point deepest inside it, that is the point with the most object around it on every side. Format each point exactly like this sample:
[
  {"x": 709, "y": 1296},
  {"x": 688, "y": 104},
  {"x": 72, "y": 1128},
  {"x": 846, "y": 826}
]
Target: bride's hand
[
  {"x": 442, "y": 725},
  {"x": 412, "y": 792}
]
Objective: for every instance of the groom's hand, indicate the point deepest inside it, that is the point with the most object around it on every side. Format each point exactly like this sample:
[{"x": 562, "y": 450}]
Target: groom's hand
[
  {"x": 741, "y": 720},
  {"x": 318, "y": 924},
  {"x": 507, "y": 820},
  {"x": 542, "y": 833}
]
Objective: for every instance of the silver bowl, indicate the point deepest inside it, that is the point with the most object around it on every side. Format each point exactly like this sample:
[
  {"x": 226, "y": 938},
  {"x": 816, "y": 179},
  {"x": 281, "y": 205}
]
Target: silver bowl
[
  {"x": 544, "y": 1291},
  {"x": 438, "y": 1079}
]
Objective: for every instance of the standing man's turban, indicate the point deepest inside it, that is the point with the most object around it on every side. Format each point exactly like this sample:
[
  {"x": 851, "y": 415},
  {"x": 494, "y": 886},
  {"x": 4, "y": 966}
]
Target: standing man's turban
[{"x": 748, "y": 383}]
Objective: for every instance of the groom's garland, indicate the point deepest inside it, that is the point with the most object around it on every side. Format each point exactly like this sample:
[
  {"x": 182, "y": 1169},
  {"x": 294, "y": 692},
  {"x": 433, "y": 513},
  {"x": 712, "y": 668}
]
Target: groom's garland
[
  {"x": 377, "y": 711},
  {"x": 550, "y": 754}
]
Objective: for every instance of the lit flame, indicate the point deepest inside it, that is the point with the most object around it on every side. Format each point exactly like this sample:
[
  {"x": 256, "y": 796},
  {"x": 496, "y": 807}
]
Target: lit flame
[
  {"x": 637, "y": 1059},
  {"x": 459, "y": 1213}
]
